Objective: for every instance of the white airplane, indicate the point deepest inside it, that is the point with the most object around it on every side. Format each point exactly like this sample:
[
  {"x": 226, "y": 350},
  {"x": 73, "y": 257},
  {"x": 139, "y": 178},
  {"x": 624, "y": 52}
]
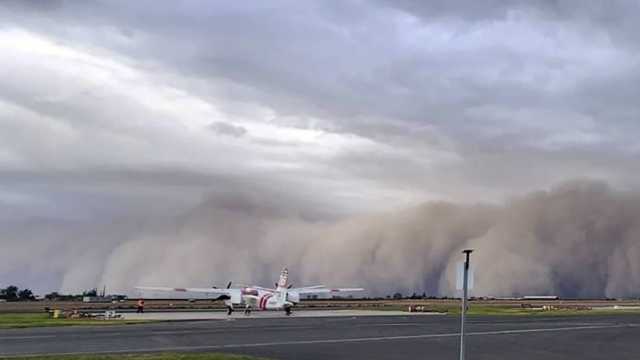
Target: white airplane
[{"x": 283, "y": 297}]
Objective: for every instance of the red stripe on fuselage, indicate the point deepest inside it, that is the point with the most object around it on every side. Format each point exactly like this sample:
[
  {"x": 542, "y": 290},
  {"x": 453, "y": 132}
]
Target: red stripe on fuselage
[{"x": 263, "y": 301}]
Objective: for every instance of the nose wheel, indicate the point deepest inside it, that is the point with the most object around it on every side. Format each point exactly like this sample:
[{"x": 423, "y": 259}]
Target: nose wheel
[
  {"x": 229, "y": 310},
  {"x": 287, "y": 310}
]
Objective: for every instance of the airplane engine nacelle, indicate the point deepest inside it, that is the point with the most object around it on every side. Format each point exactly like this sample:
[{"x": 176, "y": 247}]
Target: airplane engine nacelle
[
  {"x": 294, "y": 297},
  {"x": 235, "y": 296}
]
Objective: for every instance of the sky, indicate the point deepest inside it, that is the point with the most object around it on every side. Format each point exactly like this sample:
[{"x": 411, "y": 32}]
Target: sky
[{"x": 122, "y": 122}]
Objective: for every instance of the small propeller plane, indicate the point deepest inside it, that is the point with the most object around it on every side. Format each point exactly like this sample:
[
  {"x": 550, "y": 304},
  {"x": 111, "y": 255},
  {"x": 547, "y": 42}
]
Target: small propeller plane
[{"x": 283, "y": 297}]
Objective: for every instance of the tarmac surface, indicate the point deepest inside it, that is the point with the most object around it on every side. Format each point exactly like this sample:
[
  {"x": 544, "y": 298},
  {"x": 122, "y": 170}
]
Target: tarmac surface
[
  {"x": 354, "y": 336},
  {"x": 222, "y": 315}
]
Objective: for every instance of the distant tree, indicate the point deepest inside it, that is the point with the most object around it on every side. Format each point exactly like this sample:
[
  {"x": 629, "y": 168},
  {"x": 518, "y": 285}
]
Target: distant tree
[
  {"x": 92, "y": 292},
  {"x": 10, "y": 293},
  {"x": 397, "y": 296},
  {"x": 26, "y": 294},
  {"x": 424, "y": 295},
  {"x": 52, "y": 296},
  {"x": 56, "y": 296}
]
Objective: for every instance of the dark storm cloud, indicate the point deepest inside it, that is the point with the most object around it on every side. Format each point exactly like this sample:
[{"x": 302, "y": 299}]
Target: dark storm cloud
[
  {"x": 223, "y": 128},
  {"x": 615, "y": 16},
  {"x": 110, "y": 109},
  {"x": 370, "y": 67}
]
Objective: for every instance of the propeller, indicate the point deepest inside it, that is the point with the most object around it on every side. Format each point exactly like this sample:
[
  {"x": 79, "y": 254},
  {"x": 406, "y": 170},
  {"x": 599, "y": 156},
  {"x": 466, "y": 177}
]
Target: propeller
[{"x": 228, "y": 285}]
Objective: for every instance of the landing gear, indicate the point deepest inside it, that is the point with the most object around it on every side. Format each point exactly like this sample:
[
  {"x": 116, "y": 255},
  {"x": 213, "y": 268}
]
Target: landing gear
[
  {"x": 229, "y": 310},
  {"x": 287, "y": 310},
  {"x": 247, "y": 310}
]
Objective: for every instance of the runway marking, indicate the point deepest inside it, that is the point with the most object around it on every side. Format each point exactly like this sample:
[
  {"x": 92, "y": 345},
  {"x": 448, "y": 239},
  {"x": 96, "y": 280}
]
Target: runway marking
[
  {"x": 152, "y": 332},
  {"x": 333, "y": 341},
  {"x": 564, "y": 323},
  {"x": 26, "y": 337},
  {"x": 218, "y": 330}
]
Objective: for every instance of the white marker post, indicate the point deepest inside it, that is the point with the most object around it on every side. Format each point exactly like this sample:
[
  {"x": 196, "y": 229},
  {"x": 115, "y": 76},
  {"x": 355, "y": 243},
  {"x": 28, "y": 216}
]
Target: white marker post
[{"x": 465, "y": 289}]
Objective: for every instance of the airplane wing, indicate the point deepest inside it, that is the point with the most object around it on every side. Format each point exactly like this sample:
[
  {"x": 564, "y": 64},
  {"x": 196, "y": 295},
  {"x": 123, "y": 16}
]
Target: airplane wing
[
  {"x": 211, "y": 291},
  {"x": 262, "y": 288},
  {"x": 310, "y": 287},
  {"x": 323, "y": 290}
]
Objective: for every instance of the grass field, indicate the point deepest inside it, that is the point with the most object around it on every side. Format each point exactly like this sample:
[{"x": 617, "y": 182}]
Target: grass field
[
  {"x": 497, "y": 310},
  {"x": 39, "y": 319},
  {"x": 155, "y": 356},
  {"x": 509, "y": 310}
]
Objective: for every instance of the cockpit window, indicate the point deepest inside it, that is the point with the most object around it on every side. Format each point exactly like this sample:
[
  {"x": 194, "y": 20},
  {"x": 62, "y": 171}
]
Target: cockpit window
[{"x": 249, "y": 291}]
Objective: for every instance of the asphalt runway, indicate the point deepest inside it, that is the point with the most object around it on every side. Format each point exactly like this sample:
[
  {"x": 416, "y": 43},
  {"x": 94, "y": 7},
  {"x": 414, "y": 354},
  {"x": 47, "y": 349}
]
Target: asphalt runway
[
  {"x": 350, "y": 337},
  {"x": 239, "y": 314}
]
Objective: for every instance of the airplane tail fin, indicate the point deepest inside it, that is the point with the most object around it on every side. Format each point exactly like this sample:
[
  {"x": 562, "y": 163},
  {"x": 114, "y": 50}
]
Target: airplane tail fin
[{"x": 284, "y": 277}]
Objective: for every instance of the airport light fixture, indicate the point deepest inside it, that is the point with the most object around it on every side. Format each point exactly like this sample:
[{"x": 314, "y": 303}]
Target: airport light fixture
[{"x": 465, "y": 290}]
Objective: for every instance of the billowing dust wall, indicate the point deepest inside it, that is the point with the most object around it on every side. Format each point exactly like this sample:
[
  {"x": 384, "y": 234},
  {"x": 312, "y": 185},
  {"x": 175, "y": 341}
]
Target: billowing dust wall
[{"x": 579, "y": 239}]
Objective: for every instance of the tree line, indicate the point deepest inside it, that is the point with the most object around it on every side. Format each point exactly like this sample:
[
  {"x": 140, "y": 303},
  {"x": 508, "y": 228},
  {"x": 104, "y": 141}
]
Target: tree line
[{"x": 13, "y": 293}]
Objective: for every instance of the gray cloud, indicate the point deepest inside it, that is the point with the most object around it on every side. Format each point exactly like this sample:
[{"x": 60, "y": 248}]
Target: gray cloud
[{"x": 223, "y": 128}]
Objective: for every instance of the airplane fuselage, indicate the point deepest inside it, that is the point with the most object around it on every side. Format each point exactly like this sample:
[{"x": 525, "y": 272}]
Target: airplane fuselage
[{"x": 260, "y": 299}]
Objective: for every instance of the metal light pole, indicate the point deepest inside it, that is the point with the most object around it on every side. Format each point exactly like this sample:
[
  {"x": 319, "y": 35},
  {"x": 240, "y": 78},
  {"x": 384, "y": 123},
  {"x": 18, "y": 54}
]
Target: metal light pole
[{"x": 465, "y": 289}]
